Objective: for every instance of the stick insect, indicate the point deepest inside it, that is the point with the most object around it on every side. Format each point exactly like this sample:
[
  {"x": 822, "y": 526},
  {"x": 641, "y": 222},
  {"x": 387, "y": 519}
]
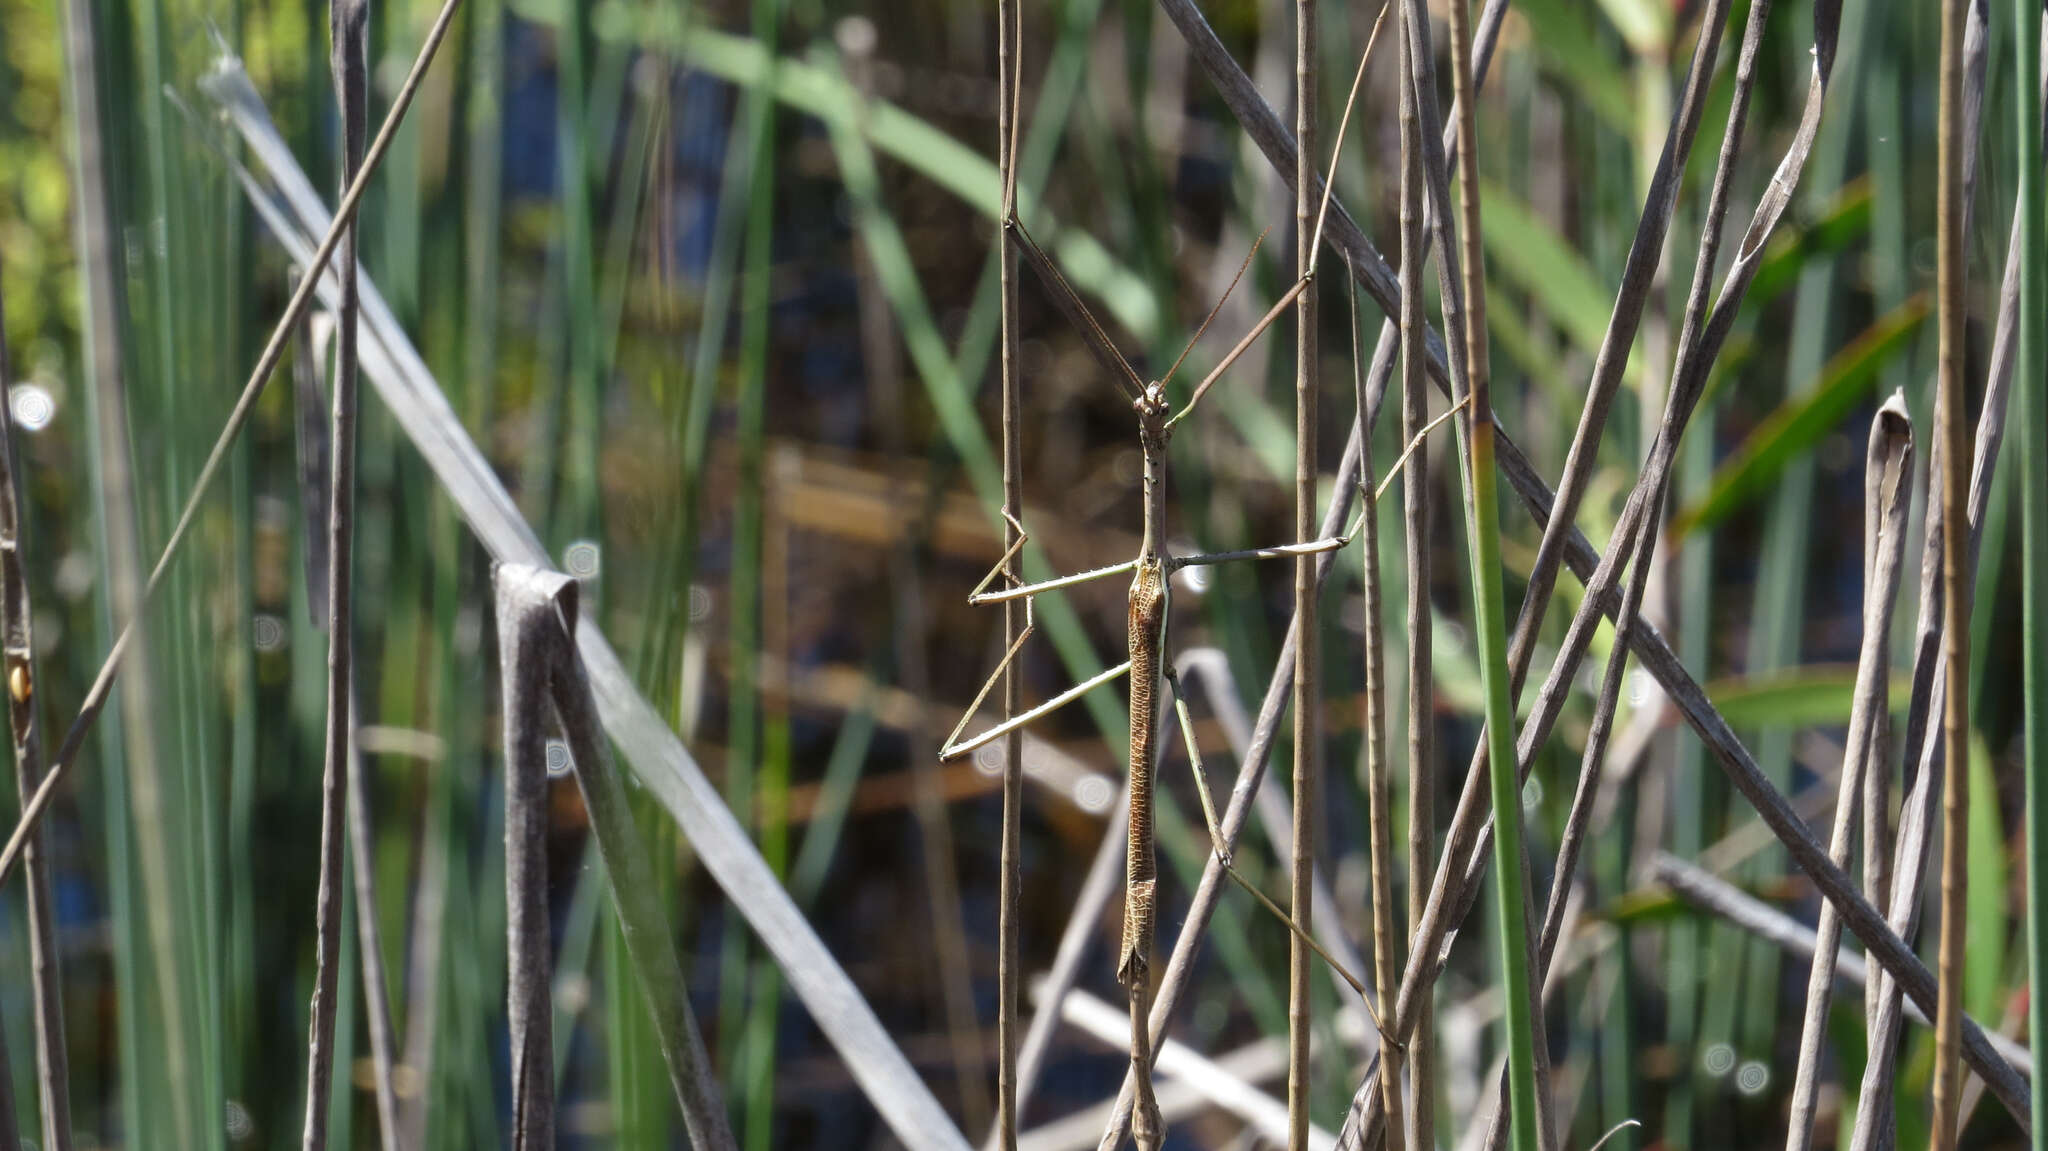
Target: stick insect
[{"x": 1149, "y": 604}]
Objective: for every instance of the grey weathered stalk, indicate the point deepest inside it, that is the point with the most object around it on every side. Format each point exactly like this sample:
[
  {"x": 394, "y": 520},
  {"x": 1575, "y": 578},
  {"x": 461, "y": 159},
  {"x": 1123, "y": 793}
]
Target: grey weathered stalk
[
  {"x": 1709, "y": 892},
  {"x": 245, "y": 406},
  {"x": 1949, "y": 414},
  {"x": 1386, "y": 943},
  {"x": 348, "y": 27},
  {"x": 527, "y": 650},
  {"x": 17, "y": 635},
  {"x": 1887, "y": 493},
  {"x": 1415, "y": 510},
  {"x": 1308, "y": 697},
  {"x": 537, "y": 612},
  {"x": 1009, "y": 84}
]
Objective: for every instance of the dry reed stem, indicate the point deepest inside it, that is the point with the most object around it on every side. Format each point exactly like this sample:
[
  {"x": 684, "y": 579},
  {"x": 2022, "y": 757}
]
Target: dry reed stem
[
  {"x": 1888, "y": 492},
  {"x": 1386, "y": 944},
  {"x": 349, "y": 30},
  {"x": 17, "y": 633},
  {"x": 1415, "y": 509},
  {"x": 1949, "y": 414},
  {"x": 1009, "y": 83},
  {"x": 1307, "y": 649}
]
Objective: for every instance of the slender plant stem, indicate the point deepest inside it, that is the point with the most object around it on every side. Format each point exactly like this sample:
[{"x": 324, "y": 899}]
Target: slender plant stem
[
  {"x": 1415, "y": 509},
  {"x": 1307, "y": 651},
  {"x": 1009, "y": 84},
  {"x": 17, "y": 634},
  {"x": 1385, "y": 940},
  {"x": 1952, "y": 448},
  {"x": 1888, "y": 492},
  {"x": 2032, "y": 246},
  {"x": 1490, "y": 613},
  {"x": 349, "y": 29}
]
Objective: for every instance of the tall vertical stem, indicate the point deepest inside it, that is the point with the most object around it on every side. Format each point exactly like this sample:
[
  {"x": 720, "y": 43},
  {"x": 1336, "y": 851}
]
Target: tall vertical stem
[
  {"x": 1489, "y": 611},
  {"x": 1953, "y": 454},
  {"x": 1421, "y": 668},
  {"x": 2033, "y": 377},
  {"x": 1008, "y": 81},
  {"x": 349, "y": 28},
  {"x": 1307, "y": 669}
]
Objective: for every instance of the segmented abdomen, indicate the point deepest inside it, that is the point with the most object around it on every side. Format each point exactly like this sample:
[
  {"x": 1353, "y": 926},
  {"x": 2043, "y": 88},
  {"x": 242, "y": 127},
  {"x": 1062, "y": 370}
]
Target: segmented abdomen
[{"x": 1148, "y": 609}]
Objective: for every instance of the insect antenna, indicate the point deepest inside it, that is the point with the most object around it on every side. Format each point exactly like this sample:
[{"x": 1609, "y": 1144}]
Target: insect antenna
[{"x": 1211, "y": 318}]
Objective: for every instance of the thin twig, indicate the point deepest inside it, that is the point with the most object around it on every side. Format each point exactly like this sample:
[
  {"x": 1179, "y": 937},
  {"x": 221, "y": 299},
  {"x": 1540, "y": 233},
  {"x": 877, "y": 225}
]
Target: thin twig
[
  {"x": 1887, "y": 494},
  {"x": 349, "y": 28},
  {"x": 1009, "y": 90}
]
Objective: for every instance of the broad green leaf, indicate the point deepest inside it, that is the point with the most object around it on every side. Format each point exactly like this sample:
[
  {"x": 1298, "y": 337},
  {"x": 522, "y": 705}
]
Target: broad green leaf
[
  {"x": 1802, "y": 422},
  {"x": 1816, "y": 695}
]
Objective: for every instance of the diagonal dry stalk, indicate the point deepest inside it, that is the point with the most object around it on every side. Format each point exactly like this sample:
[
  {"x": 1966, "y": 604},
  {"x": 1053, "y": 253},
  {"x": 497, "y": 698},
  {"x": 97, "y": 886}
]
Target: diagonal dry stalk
[
  {"x": 349, "y": 29},
  {"x": 543, "y": 671},
  {"x": 17, "y": 634},
  {"x": 1009, "y": 85},
  {"x": 1887, "y": 495},
  {"x": 245, "y": 406}
]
